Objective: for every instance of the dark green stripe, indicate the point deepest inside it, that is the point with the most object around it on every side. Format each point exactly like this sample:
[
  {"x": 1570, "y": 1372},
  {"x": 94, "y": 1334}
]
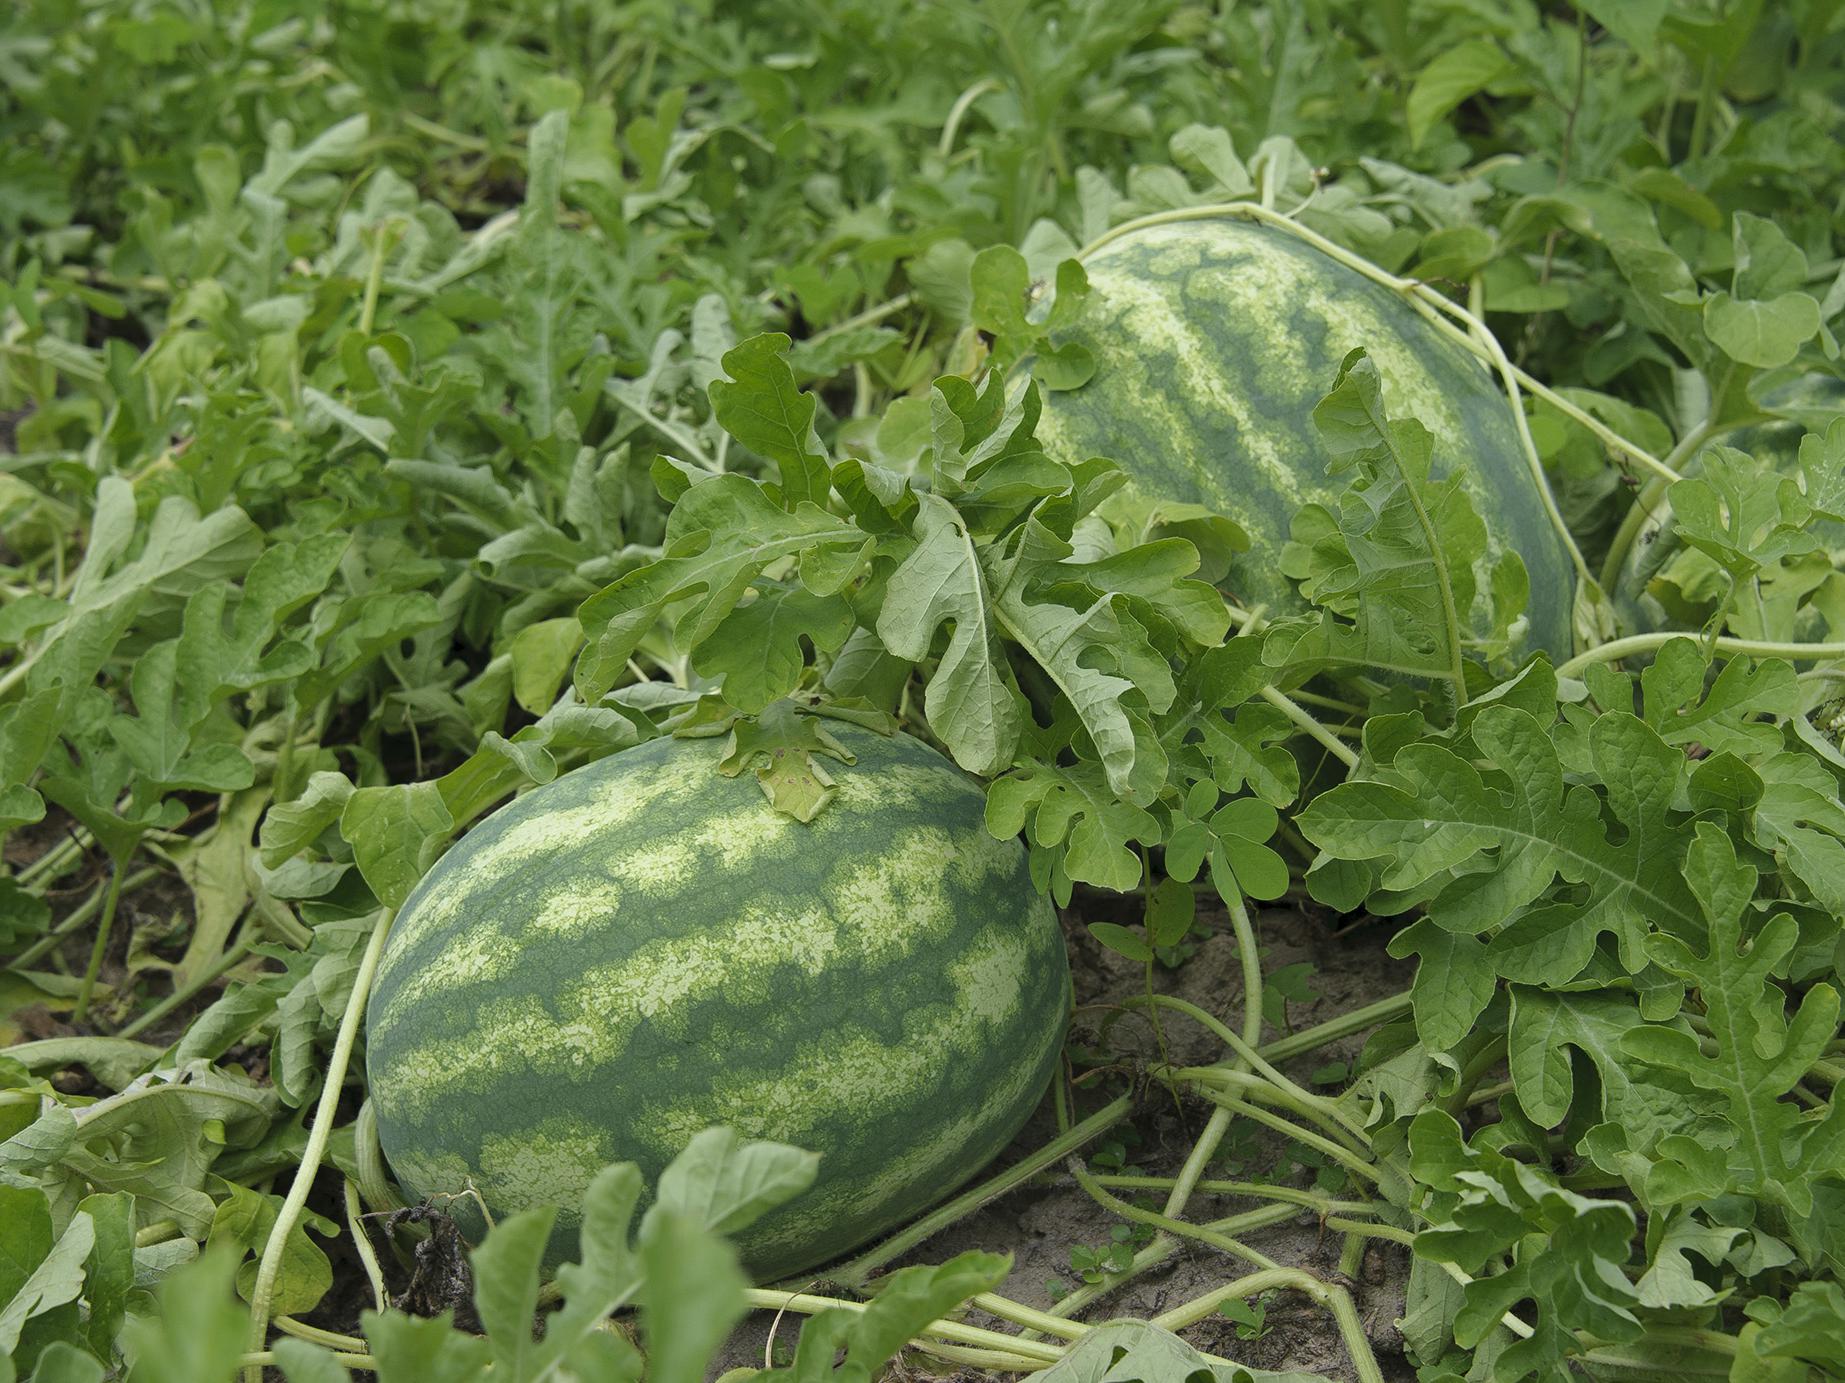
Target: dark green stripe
[{"x": 1223, "y": 271}]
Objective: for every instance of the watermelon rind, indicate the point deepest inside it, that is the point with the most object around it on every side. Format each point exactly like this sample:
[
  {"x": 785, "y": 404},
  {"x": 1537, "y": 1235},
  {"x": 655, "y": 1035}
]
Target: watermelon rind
[
  {"x": 1214, "y": 338},
  {"x": 644, "y": 948}
]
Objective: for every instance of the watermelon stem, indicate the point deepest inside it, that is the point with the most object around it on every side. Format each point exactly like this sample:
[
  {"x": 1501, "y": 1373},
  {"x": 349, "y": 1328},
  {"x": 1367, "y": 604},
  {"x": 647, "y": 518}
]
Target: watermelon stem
[
  {"x": 375, "y": 1186},
  {"x": 1334, "y": 1029},
  {"x": 262, "y": 1295},
  {"x": 368, "y": 1256},
  {"x": 1250, "y": 1087},
  {"x": 1164, "y": 1246},
  {"x": 1364, "y": 1229},
  {"x": 1203, "y": 1234},
  {"x": 1646, "y": 643},
  {"x": 1258, "y": 1190},
  {"x": 1328, "y": 1295},
  {"x": 1646, "y": 503},
  {"x": 79, "y": 918},
  {"x": 1297, "y": 713},
  {"x": 100, "y": 948},
  {"x": 957, "y": 112},
  {"x": 1035, "y": 1353},
  {"x": 1358, "y": 1166}
]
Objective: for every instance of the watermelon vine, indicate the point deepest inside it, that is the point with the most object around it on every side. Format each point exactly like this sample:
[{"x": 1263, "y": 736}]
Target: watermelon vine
[{"x": 657, "y": 662}]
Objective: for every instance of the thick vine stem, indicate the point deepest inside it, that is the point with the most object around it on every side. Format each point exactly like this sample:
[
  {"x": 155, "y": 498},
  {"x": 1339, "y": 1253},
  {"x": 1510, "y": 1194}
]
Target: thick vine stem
[
  {"x": 1164, "y": 1246},
  {"x": 57, "y": 859},
  {"x": 263, "y": 1293},
  {"x": 100, "y": 947},
  {"x": 1336, "y": 1029},
  {"x": 1248, "y": 1056},
  {"x": 1647, "y": 643},
  {"x": 1251, "y": 622},
  {"x": 1364, "y": 1229},
  {"x": 1255, "y": 1190},
  {"x": 79, "y": 917},
  {"x": 1008, "y": 1310},
  {"x": 1334, "y": 1298},
  {"x": 255, "y": 1361},
  {"x": 1250, "y": 959},
  {"x": 211, "y": 975},
  {"x": 375, "y": 1186},
  {"x": 313, "y": 1334},
  {"x": 1217, "y": 1239},
  {"x": 958, "y": 112},
  {"x": 368, "y": 1256},
  {"x": 1180, "y": 1192},
  {"x": 1297, "y": 713},
  {"x": 1245, "y": 1086},
  {"x": 1341, "y": 1154},
  {"x": 808, "y": 1304},
  {"x": 989, "y": 1360}
]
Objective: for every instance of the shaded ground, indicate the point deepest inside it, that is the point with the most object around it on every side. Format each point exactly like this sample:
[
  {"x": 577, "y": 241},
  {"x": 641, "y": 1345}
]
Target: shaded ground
[{"x": 1040, "y": 1223}]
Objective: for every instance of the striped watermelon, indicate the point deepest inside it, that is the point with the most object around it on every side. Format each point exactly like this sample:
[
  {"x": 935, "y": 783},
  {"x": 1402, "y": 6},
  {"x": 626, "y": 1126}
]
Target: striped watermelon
[
  {"x": 643, "y": 948},
  {"x": 1214, "y": 338}
]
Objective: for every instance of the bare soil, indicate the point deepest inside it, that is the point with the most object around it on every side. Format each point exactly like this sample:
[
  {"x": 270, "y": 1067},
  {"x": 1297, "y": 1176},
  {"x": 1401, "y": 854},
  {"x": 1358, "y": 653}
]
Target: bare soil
[{"x": 1039, "y": 1223}]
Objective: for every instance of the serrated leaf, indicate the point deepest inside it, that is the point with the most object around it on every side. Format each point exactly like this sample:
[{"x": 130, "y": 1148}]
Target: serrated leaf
[
  {"x": 724, "y": 1184},
  {"x": 1822, "y": 469},
  {"x": 762, "y": 408},
  {"x": 1546, "y": 1026},
  {"x": 970, "y": 701},
  {"x": 784, "y": 750},
  {"x": 1207, "y": 151},
  {"x": 759, "y": 649},
  {"x": 1431, "y": 814},
  {"x": 1741, "y": 513},
  {"x": 1073, "y": 810},
  {"x": 1393, "y": 568},
  {"x": 1567, "y": 1251},
  {"x": 1761, "y": 1054},
  {"x": 721, "y": 536},
  {"x": 1460, "y": 72}
]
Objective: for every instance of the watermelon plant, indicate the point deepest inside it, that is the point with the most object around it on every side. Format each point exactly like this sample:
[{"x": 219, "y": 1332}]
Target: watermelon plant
[{"x": 682, "y": 689}]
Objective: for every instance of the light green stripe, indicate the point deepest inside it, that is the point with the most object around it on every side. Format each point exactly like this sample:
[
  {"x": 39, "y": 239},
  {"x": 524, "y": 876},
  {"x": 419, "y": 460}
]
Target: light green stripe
[
  {"x": 941, "y": 1142},
  {"x": 874, "y": 911}
]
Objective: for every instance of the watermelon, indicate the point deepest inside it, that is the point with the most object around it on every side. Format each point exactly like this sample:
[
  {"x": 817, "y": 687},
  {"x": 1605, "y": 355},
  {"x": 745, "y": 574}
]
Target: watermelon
[
  {"x": 1663, "y": 583},
  {"x": 643, "y": 948},
  {"x": 1213, "y": 340}
]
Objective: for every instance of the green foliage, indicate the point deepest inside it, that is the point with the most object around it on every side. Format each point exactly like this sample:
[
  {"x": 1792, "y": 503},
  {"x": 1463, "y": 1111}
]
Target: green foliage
[
  {"x": 404, "y": 405},
  {"x": 1394, "y": 570}
]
